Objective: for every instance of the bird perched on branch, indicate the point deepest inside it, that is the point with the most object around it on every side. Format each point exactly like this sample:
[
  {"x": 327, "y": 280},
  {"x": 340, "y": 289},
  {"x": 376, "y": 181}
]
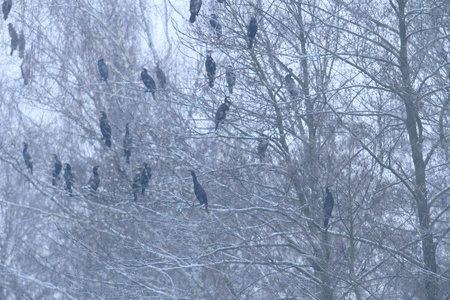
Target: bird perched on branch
[
  {"x": 57, "y": 170},
  {"x": 27, "y": 158},
  {"x": 68, "y": 177},
  {"x": 252, "y": 29},
  {"x": 94, "y": 181},
  {"x": 214, "y": 22},
  {"x": 136, "y": 182},
  {"x": 210, "y": 65},
  {"x": 290, "y": 86},
  {"x": 230, "y": 77},
  {"x": 221, "y": 112},
  {"x": 199, "y": 191},
  {"x": 327, "y": 206},
  {"x": 148, "y": 81},
  {"x": 127, "y": 143},
  {"x": 103, "y": 69},
  {"x": 262, "y": 147},
  {"x": 105, "y": 129},
  {"x": 25, "y": 69},
  {"x": 194, "y": 8},
  {"x": 162, "y": 80},
  {"x": 146, "y": 175},
  {"x": 21, "y": 44},
  {"x": 14, "y": 38},
  {"x": 6, "y": 8}
]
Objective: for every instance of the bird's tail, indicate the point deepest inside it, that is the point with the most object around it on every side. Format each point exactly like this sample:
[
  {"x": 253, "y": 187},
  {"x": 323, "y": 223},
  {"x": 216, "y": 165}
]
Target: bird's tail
[
  {"x": 154, "y": 95},
  {"x": 211, "y": 81},
  {"x": 325, "y": 222},
  {"x": 143, "y": 191},
  {"x": 206, "y": 208},
  {"x": 135, "y": 196},
  {"x": 12, "y": 51},
  {"x": 54, "y": 181},
  {"x": 192, "y": 18},
  {"x": 250, "y": 43},
  {"x": 217, "y": 126},
  {"x": 108, "y": 143},
  {"x": 230, "y": 88},
  {"x": 128, "y": 159}
]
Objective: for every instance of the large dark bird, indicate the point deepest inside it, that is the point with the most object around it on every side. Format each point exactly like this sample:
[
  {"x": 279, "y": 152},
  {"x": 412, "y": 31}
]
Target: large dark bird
[
  {"x": 148, "y": 81},
  {"x": 215, "y": 25},
  {"x": 194, "y": 8},
  {"x": 27, "y": 158},
  {"x": 262, "y": 147},
  {"x": 251, "y": 31},
  {"x": 230, "y": 77},
  {"x": 136, "y": 182},
  {"x": 105, "y": 128},
  {"x": 162, "y": 80},
  {"x": 146, "y": 174},
  {"x": 57, "y": 170},
  {"x": 94, "y": 181},
  {"x": 14, "y": 38},
  {"x": 25, "y": 69},
  {"x": 21, "y": 44},
  {"x": 6, "y": 8},
  {"x": 199, "y": 191},
  {"x": 103, "y": 69},
  {"x": 221, "y": 112},
  {"x": 127, "y": 143},
  {"x": 68, "y": 177},
  {"x": 210, "y": 65},
  {"x": 290, "y": 85},
  {"x": 327, "y": 206}
]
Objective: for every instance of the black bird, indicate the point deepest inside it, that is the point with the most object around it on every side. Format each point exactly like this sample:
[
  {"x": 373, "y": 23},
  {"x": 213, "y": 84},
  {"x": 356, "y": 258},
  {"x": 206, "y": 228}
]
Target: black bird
[
  {"x": 162, "y": 80},
  {"x": 57, "y": 170},
  {"x": 327, "y": 206},
  {"x": 221, "y": 112},
  {"x": 148, "y": 81},
  {"x": 221, "y": 1},
  {"x": 6, "y": 8},
  {"x": 94, "y": 181},
  {"x": 146, "y": 174},
  {"x": 210, "y": 65},
  {"x": 127, "y": 143},
  {"x": 27, "y": 158},
  {"x": 105, "y": 128},
  {"x": 136, "y": 182},
  {"x": 199, "y": 191},
  {"x": 194, "y": 8},
  {"x": 68, "y": 177},
  {"x": 103, "y": 69},
  {"x": 290, "y": 85},
  {"x": 262, "y": 147},
  {"x": 21, "y": 44},
  {"x": 25, "y": 69},
  {"x": 215, "y": 24},
  {"x": 251, "y": 31},
  {"x": 231, "y": 78},
  {"x": 14, "y": 38}
]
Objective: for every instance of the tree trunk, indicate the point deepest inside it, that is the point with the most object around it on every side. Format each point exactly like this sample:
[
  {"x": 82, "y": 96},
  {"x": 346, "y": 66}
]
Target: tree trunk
[{"x": 414, "y": 128}]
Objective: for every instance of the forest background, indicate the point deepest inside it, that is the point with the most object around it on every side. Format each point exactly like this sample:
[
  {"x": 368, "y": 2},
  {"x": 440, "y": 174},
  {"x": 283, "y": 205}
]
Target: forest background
[{"x": 368, "y": 114}]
